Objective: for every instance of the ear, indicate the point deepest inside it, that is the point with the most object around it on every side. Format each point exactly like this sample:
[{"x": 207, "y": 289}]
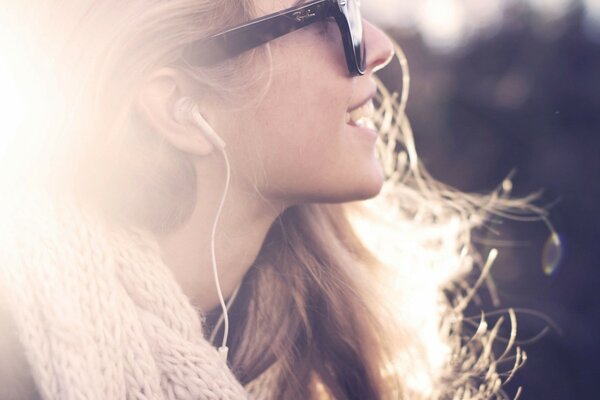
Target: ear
[{"x": 154, "y": 104}]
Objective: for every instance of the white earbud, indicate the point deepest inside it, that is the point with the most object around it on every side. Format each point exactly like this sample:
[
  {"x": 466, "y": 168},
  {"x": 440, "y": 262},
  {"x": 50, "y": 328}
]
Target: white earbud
[{"x": 186, "y": 110}]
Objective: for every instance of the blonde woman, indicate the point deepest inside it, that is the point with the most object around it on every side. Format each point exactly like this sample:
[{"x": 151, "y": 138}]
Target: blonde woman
[{"x": 207, "y": 154}]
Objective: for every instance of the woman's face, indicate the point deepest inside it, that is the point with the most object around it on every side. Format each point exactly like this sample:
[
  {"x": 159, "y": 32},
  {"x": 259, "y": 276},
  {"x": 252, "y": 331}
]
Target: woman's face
[{"x": 296, "y": 145}]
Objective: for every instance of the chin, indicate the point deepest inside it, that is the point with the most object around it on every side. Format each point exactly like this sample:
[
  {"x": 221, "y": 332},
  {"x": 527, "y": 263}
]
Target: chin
[
  {"x": 372, "y": 182},
  {"x": 346, "y": 188},
  {"x": 369, "y": 191},
  {"x": 361, "y": 189}
]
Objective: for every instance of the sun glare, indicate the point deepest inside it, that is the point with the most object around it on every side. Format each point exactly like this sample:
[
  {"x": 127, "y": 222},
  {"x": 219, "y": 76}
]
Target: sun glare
[
  {"x": 445, "y": 24},
  {"x": 29, "y": 99},
  {"x": 421, "y": 259}
]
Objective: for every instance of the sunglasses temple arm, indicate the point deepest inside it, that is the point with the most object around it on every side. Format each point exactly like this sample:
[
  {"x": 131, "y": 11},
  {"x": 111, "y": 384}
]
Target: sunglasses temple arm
[{"x": 240, "y": 39}]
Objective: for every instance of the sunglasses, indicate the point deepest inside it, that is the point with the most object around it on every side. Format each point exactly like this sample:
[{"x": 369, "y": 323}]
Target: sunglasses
[{"x": 238, "y": 39}]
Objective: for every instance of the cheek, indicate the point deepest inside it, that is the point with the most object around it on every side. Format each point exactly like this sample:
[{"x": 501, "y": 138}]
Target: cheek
[
  {"x": 307, "y": 104},
  {"x": 302, "y": 127},
  {"x": 295, "y": 142}
]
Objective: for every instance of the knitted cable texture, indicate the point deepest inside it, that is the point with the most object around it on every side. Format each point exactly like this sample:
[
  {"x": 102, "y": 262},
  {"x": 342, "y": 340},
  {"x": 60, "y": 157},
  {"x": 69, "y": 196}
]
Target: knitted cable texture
[{"x": 99, "y": 314}]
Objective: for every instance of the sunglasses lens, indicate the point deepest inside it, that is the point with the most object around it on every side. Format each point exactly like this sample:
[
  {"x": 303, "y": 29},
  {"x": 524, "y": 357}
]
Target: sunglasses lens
[{"x": 356, "y": 31}]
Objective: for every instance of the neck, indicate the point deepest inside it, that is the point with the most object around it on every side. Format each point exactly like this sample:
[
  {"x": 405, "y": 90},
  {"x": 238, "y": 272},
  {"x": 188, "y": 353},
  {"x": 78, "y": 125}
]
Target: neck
[{"x": 241, "y": 230}]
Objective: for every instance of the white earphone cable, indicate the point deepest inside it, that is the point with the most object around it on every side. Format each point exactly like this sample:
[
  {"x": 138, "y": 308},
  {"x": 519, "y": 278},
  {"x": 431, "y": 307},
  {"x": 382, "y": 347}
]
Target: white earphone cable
[
  {"x": 223, "y": 350},
  {"x": 217, "y": 142},
  {"x": 222, "y": 316}
]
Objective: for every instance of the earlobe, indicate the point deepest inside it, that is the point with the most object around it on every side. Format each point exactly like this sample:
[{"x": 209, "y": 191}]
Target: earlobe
[
  {"x": 154, "y": 104},
  {"x": 186, "y": 110}
]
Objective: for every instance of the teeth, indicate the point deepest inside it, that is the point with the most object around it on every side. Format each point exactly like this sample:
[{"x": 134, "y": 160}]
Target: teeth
[
  {"x": 362, "y": 116},
  {"x": 365, "y": 123}
]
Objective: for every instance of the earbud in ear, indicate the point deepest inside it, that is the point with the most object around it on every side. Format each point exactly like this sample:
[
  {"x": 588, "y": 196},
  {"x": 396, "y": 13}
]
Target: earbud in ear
[{"x": 186, "y": 111}]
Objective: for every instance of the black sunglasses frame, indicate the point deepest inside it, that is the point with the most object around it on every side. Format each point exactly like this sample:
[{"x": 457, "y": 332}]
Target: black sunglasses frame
[{"x": 238, "y": 39}]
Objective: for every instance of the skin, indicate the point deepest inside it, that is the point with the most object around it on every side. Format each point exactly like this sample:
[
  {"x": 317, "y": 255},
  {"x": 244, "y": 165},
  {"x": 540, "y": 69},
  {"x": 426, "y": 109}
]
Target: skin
[{"x": 293, "y": 147}]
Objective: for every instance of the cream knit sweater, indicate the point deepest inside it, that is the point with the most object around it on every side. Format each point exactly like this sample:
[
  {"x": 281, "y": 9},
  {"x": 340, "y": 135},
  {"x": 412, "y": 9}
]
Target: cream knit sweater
[{"x": 98, "y": 313}]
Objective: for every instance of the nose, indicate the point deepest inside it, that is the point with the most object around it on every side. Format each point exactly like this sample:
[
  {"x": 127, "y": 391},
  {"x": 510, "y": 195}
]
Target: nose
[{"x": 380, "y": 49}]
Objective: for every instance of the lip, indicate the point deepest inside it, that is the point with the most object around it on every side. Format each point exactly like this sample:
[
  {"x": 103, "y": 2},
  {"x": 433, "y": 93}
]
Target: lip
[
  {"x": 364, "y": 101},
  {"x": 370, "y": 135},
  {"x": 368, "y": 132}
]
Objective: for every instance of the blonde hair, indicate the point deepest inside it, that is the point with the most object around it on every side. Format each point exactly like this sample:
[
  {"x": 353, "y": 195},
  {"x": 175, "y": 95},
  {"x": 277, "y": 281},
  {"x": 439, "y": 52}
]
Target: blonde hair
[
  {"x": 317, "y": 303},
  {"x": 105, "y": 58}
]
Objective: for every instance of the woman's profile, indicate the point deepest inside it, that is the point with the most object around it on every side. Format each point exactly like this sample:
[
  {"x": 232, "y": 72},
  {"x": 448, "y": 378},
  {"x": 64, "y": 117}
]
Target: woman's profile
[{"x": 227, "y": 204}]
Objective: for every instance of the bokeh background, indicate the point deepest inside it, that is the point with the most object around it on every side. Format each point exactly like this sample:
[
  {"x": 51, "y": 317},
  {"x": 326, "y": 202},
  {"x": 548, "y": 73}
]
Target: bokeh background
[{"x": 501, "y": 86}]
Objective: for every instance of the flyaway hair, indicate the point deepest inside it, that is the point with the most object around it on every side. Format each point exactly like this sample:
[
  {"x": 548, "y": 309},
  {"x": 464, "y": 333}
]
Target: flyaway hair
[{"x": 362, "y": 300}]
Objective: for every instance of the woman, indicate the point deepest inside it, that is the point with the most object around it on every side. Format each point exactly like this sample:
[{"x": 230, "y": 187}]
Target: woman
[{"x": 196, "y": 162}]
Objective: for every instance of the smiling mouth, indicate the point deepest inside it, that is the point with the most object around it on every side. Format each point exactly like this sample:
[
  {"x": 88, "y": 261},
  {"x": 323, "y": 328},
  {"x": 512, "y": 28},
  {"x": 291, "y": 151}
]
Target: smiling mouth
[{"x": 362, "y": 116}]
